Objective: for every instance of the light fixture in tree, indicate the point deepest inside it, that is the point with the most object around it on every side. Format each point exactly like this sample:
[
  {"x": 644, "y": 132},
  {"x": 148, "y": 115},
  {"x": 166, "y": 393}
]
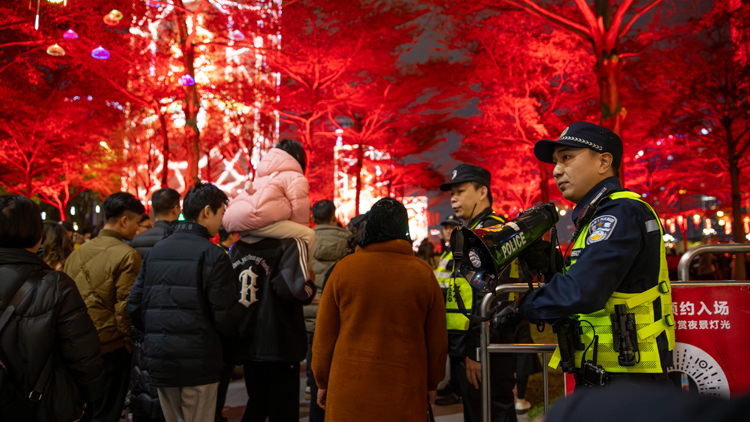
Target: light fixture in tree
[
  {"x": 187, "y": 80},
  {"x": 113, "y": 18},
  {"x": 70, "y": 35},
  {"x": 55, "y": 50},
  {"x": 236, "y": 35},
  {"x": 100, "y": 53}
]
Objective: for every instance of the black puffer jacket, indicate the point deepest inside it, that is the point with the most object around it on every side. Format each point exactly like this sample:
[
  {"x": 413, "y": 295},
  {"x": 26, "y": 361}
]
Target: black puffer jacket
[
  {"x": 146, "y": 240},
  {"x": 180, "y": 302},
  {"x": 51, "y": 318},
  {"x": 144, "y": 399}
]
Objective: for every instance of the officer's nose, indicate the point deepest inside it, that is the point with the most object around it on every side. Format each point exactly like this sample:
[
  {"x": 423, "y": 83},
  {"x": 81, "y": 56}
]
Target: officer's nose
[{"x": 557, "y": 171}]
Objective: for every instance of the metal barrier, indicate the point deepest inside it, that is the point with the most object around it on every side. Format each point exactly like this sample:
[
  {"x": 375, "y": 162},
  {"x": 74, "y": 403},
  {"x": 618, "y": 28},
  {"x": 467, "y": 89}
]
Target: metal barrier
[
  {"x": 683, "y": 268},
  {"x": 486, "y": 349}
]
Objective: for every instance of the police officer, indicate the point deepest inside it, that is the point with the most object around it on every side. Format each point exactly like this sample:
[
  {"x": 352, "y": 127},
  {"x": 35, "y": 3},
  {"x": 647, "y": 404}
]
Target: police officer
[
  {"x": 616, "y": 280},
  {"x": 444, "y": 270},
  {"x": 471, "y": 200}
]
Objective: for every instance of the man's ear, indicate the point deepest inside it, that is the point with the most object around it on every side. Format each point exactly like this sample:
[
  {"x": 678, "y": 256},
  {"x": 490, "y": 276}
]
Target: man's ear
[
  {"x": 483, "y": 192},
  {"x": 206, "y": 211},
  {"x": 605, "y": 162},
  {"x": 123, "y": 220}
]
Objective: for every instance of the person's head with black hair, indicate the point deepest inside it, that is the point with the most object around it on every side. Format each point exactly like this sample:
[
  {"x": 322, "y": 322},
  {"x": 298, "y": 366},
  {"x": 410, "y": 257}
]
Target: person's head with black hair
[
  {"x": 205, "y": 204},
  {"x": 324, "y": 212},
  {"x": 68, "y": 226},
  {"x": 56, "y": 245},
  {"x": 294, "y": 149},
  {"x": 166, "y": 204},
  {"x": 145, "y": 224},
  {"x": 20, "y": 223},
  {"x": 227, "y": 239},
  {"x": 122, "y": 213},
  {"x": 356, "y": 227}
]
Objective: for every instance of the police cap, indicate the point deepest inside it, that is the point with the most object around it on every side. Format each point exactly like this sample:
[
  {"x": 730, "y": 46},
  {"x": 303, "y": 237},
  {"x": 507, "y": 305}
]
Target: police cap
[
  {"x": 451, "y": 220},
  {"x": 467, "y": 173},
  {"x": 583, "y": 135}
]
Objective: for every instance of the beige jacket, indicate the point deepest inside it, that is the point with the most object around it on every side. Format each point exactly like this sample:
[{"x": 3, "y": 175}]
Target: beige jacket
[{"x": 104, "y": 270}]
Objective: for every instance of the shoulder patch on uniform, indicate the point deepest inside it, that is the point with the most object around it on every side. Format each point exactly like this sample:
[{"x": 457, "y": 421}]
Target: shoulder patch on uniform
[{"x": 601, "y": 228}]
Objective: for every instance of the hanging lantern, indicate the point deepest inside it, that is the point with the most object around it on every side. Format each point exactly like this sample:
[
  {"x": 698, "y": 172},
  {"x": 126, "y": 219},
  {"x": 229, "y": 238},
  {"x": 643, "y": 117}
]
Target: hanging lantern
[
  {"x": 70, "y": 35},
  {"x": 100, "y": 53},
  {"x": 187, "y": 80},
  {"x": 708, "y": 224},
  {"x": 113, "y": 18},
  {"x": 672, "y": 228},
  {"x": 746, "y": 222},
  {"x": 728, "y": 227},
  {"x": 696, "y": 220},
  {"x": 236, "y": 35},
  {"x": 680, "y": 220},
  {"x": 55, "y": 50}
]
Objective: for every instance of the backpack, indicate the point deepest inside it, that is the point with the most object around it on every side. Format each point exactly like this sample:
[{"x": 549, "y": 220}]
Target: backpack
[{"x": 15, "y": 405}]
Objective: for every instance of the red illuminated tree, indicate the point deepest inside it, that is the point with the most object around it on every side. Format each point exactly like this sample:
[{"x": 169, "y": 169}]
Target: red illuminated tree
[
  {"x": 525, "y": 95},
  {"x": 711, "y": 93}
]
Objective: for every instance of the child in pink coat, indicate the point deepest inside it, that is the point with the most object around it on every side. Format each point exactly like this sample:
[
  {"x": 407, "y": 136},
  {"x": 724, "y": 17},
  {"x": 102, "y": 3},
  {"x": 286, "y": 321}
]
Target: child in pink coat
[{"x": 277, "y": 203}]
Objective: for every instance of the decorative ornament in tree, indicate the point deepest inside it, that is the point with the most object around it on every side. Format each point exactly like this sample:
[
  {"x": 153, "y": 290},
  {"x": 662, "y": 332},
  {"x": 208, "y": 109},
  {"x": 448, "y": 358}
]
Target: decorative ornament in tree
[
  {"x": 70, "y": 35},
  {"x": 100, "y": 53},
  {"x": 187, "y": 80},
  {"x": 236, "y": 35},
  {"x": 55, "y": 50},
  {"x": 113, "y": 18}
]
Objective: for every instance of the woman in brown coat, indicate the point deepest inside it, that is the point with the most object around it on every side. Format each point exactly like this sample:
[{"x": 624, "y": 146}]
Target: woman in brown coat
[{"x": 380, "y": 342}]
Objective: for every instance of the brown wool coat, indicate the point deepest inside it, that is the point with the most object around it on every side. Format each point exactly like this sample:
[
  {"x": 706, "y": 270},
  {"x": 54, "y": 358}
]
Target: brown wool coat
[
  {"x": 380, "y": 341},
  {"x": 104, "y": 270}
]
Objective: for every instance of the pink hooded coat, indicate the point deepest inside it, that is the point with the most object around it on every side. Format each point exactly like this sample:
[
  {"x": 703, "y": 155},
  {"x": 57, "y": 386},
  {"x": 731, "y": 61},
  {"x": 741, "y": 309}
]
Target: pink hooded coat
[{"x": 279, "y": 192}]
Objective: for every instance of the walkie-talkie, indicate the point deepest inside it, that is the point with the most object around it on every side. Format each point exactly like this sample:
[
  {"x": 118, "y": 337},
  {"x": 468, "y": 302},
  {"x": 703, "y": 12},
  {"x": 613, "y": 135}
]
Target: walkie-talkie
[{"x": 624, "y": 335}]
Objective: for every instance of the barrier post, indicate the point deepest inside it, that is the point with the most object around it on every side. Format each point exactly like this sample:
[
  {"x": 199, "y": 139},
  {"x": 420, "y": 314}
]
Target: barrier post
[{"x": 486, "y": 349}]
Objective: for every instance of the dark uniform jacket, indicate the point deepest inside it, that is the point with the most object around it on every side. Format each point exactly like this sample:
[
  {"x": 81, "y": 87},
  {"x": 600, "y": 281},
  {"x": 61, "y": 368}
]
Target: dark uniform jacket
[
  {"x": 180, "y": 301},
  {"x": 51, "y": 319},
  {"x": 270, "y": 276},
  {"x": 146, "y": 240},
  {"x": 627, "y": 260}
]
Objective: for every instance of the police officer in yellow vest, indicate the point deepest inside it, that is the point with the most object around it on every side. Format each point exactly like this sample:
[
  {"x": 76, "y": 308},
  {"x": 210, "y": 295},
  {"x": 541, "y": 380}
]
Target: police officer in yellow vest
[
  {"x": 471, "y": 200},
  {"x": 611, "y": 305},
  {"x": 444, "y": 271}
]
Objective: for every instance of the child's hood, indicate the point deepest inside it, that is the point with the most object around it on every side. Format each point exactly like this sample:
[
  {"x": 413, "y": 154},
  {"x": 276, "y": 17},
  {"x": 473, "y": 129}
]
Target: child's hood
[{"x": 277, "y": 160}]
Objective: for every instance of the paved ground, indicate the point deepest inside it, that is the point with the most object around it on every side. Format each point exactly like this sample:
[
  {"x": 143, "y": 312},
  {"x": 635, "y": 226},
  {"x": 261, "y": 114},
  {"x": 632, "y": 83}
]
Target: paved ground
[{"x": 237, "y": 398}]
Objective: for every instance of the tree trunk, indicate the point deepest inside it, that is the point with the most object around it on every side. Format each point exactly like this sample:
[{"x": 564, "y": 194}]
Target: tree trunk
[
  {"x": 165, "y": 147},
  {"x": 360, "y": 158},
  {"x": 609, "y": 74},
  {"x": 191, "y": 105},
  {"x": 543, "y": 182},
  {"x": 738, "y": 227}
]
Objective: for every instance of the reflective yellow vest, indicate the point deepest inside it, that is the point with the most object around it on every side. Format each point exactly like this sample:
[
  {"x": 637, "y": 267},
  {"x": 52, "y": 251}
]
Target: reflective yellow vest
[
  {"x": 640, "y": 304},
  {"x": 455, "y": 320}
]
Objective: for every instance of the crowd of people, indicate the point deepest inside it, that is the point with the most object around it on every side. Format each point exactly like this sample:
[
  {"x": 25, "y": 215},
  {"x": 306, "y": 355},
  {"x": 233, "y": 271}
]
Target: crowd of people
[{"x": 148, "y": 316}]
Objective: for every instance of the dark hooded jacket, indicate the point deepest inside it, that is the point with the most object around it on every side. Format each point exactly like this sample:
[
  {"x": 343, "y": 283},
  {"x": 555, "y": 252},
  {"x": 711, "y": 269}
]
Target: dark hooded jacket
[{"x": 51, "y": 319}]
